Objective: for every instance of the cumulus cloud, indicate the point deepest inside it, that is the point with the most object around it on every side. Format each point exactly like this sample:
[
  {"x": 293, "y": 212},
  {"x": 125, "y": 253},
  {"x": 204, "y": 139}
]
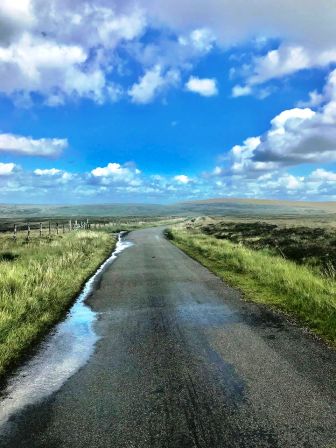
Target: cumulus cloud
[
  {"x": 121, "y": 177},
  {"x": 204, "y": 87},
  {"x": 288, "y": 59},
  {"x": 55, "y": 70},
  {"x": 6, "y": 168},
  {"x": 27, "y": 146},
  {"x": 62, "y": 50},
  {"x": 182, "y": 179},
  {"x": 237, "y": 21},
  {"x": 303, "y": 42},
  {"x": 47, "y": 172},
  {"x": 319, "y": 184},
  {"x": 152, "y": 83},
  {"x": 15, "y": 17},
  {"x": 125, "y": 182},
  {"x": 315, "y": 100},
  {"x": 202, "y": 39},
  {"x": 172, "y": 52},
  {"x": 296, "y": 136},
  {"x": 238, "y": 91},
  {"x": 113, "y": 169}
]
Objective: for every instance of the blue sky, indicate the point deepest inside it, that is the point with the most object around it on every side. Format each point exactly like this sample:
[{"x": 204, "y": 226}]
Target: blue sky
[{"x": 110, "y": 101}]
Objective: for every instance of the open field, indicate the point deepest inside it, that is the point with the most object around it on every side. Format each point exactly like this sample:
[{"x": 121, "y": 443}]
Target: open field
[
  {"x": 312, "y": 245},
  {"x": 62, "y": 225},
  {"x": 264, "y": 277},
  {"x": 230, "y": 208}
]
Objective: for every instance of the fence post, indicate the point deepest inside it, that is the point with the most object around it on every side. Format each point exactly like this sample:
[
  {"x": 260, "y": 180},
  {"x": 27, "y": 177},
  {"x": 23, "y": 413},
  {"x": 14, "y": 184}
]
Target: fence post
[
  {"x": 40, "y": 230},
  {"x": 70, "y": 225},
  {"x": 28, "y": 232},
  {"x": 14, "y": 232},
  {"x": 57, "y": 228},
  {"x": 49, "y": 229},
  {"x": 63, "y": 228}
]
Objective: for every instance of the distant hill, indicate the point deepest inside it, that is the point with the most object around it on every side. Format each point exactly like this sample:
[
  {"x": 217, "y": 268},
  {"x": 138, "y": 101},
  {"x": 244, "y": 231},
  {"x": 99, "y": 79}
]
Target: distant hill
[
  {"x": 86, "y": 210},
  {"x": 265, "y": 202},
  {"x": 256, "y": 208}
]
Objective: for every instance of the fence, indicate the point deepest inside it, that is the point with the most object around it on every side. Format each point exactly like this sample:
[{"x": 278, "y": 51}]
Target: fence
[
  {"x": 48, "y": 228},
  {"x": 51, "y": 228}
]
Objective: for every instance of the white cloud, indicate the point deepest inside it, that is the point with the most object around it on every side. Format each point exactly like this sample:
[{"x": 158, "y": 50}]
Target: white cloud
[
  {"x": 202, "y": 39},
  {"x": 15, "y": 16},
  {"x": 315, "y": 100},
  {"x": 152, "y": 83},
  {"x": 238, "y": 91},
  {"x": 117, "y": 182},
  {"x": 296, "y": 136},
  {"x": 112, "y": 169},
  {"x": 237, "y": 21},
  {"x": 204, "y": 87},
  {"x": 182, "y": 179},
  {"x": 117, "y": 175},
  {"x": 112, "y": 27},
  {"x": 323, "y": 175},
  {"x": 6, "y": 168},
  {"x": 288, "y": 59},
  {"x": 45, "y": 147},
  {"x": 63, "y": 50},
  {"x": 304, "y": 43},
  {"x": 35, "y": 65},
  {"x": 47, "y": 172}
]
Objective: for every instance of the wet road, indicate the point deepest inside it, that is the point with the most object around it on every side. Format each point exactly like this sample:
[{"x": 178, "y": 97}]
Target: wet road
[{"x": 183, "y": 362}]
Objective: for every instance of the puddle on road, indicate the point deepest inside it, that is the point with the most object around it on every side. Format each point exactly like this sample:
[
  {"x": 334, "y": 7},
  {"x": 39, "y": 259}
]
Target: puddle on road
[{"x": 60, "y": 355}]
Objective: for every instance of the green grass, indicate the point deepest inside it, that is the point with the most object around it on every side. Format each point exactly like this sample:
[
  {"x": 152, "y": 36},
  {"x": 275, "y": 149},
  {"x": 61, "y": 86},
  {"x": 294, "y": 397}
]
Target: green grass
[
  {"x": 38, "y": 283},
  {"x": 264, "y": 278},
  {"x": 312, "y": 246}
]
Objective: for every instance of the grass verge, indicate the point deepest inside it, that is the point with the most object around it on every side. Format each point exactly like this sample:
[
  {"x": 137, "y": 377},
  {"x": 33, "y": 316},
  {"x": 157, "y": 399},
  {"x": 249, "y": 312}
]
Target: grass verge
[
  {"x": 38, "y": 283},
  {"x": 268, "y": 279}
]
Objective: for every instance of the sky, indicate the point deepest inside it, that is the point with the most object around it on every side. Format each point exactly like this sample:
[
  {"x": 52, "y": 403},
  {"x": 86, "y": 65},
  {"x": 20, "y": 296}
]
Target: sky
[{"x": 151, "y": 101}]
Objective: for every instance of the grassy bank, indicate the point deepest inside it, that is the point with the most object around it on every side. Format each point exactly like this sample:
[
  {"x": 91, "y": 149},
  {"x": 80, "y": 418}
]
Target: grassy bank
[
  {"x": 38, "y": 282},
  {"x": 265, "y": 278},
  {"x": 312, "y": 246}
]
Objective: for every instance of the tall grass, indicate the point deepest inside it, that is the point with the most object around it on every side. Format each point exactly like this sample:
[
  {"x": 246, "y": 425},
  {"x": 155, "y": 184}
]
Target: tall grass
[
  {"x": 38, "y": 282},
  {"x": 265, "y": 278}
]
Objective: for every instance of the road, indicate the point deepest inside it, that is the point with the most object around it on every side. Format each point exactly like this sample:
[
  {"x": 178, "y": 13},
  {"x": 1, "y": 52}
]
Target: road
[{"x": 182, "y": 361}]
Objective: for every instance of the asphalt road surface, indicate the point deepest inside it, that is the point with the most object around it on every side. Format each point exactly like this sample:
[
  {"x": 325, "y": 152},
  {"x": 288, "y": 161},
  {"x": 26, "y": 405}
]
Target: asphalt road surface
[{"x": 182, "y": 361}]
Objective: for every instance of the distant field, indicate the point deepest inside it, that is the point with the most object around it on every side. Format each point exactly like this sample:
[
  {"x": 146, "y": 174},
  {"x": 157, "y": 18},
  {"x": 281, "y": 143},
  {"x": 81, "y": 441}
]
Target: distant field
[
  {"x": 314, "y": 246},
  {"x": 62, "y": 223},
  {"x": 241, "y": 208},
  {"x": 77, "y": 211},
  {"x": 329, "y": 205}
]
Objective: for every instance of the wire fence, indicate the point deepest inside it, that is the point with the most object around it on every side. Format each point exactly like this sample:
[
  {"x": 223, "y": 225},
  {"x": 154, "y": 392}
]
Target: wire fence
[
  {"x": 48, "y": 229},
  {"x": 44, "y": 229}
]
